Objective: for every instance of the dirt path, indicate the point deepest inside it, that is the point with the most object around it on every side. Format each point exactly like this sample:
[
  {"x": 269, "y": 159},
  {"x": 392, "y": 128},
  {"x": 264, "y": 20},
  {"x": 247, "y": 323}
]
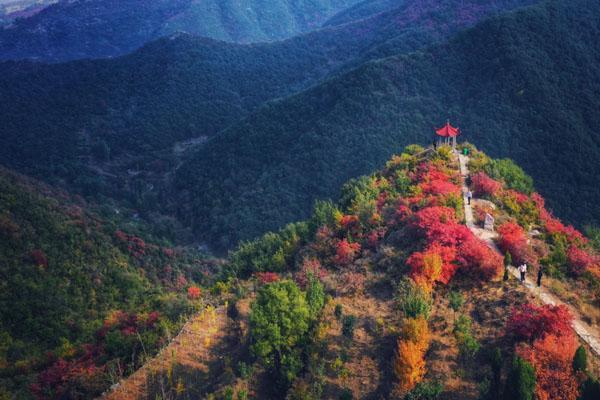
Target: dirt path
[
  {"x": 587, "y": 333},
  {"x": 190, "y": 349}
]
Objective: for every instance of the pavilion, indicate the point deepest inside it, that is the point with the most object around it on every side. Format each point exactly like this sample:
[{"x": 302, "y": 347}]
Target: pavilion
[{"x": 447, "y": 134}]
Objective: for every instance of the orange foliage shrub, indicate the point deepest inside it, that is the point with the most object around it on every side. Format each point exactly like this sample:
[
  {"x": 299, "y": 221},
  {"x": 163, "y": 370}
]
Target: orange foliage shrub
[
  {"x": 194, "y": 292},
  {"x": 409, "y": 364},
  {"x": 552, "y": 358}
]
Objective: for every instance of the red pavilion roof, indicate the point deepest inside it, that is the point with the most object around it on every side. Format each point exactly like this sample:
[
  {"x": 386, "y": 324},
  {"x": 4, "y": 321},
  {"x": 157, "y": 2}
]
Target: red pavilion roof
[{"x": 448, "y": 131}]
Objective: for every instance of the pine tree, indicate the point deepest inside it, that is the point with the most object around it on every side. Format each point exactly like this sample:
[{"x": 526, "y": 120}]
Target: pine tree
[
  {"x": 580, "y": 360},
  {"x": 520, "y": 384}
]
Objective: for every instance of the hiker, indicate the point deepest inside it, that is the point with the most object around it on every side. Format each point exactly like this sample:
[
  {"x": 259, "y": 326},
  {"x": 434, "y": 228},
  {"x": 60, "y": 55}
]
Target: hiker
[
  {"x": 434, "y": 145},
  {"x": 540, "y": 274},
  {"x": 523, "y": 270},
  {"x": 469, "y": 196}
]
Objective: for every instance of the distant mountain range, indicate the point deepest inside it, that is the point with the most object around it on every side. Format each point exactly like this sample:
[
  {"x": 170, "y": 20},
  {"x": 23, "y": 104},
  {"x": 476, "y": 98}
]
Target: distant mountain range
[
  {"x": 523, "y": 85},
  {"x": 257, "y": 132},
  {"x": 13, "y": 9},
  {"x": 97, "y": 124},
  {"x": 106, "y": 28}
]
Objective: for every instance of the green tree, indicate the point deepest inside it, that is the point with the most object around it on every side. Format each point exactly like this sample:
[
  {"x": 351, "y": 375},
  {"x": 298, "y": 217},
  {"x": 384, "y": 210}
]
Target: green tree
[
  {"x": 279, "y": 322},
  {"x": 315, "y": 296},
  {"x": 520, "y": 383},
  {"x": 580, "y": 360},
  {"x": 590, "y": 390},
  {"x": 507, "y": 263},
  {"x": 456, "y": 301}
]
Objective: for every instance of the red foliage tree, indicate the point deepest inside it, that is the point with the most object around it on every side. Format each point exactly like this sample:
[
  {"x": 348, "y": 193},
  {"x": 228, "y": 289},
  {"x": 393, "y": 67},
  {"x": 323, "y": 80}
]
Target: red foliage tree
[
  {"x": 266, "y": 277},
  {"x": 310, "y": 267},
  {"x": 514, "y": 240},
  {"x": 194, "y": 292},
  {"x": 346, "y": 252},
  {"x": 439, "y": 225},
  {"x": 39, "y": 258},
  {"x": 579, "y": 260},
  {"x": 483, "y": 185},
  {"x": 440, "y": 187},
  {"x": 530, "y": 322},
  {"x": 479, "y": 260}
]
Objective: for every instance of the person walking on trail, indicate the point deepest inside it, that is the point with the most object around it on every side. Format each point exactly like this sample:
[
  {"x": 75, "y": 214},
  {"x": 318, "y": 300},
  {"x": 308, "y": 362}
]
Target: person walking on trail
[
  {"x": 434, "y": 145},
  {"x": 469, "y": 196},
  {"x": 523, "y": 270},
  {"x": 539, "y": 277}
]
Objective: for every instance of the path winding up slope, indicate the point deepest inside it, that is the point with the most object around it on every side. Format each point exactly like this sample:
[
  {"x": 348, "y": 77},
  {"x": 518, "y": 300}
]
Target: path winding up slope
[{"x": 587, "y": 333}]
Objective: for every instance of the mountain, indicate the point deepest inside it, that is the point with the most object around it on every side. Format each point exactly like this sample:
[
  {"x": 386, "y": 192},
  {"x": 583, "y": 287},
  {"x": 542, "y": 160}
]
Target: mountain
[
  {"x": 523, "y": 84},
  {"x": 13, "y": 9},
  {"x": 381, "y": 294},
  {"x": 74, "y": 278},
  {"x": 107, "y": 28},
  {"x": 362, "y": 10},
  {"x": 119, "y": 126}
]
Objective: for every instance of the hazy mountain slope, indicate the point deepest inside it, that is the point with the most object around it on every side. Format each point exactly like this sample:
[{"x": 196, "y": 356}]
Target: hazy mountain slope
[
  {"x": 364, "y": 9},
  {"x": 523, "y": 85},
  {"x": 13, "y": 9},
  {"x": 105, "y": 28},
  {"x": 69, "y": 280},
  {"x": 71, "y": 121}
]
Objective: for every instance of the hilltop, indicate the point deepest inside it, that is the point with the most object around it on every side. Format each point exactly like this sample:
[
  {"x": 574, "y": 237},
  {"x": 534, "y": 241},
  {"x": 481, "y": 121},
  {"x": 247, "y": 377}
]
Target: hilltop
[
  {"x": 87, "y": 294},
  {"x": 386, "y": 293},
  {"x": 515, "y": 84}
]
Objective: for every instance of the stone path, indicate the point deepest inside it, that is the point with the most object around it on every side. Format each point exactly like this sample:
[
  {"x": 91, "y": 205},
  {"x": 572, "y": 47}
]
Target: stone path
[{"x": 587, "y": 333}]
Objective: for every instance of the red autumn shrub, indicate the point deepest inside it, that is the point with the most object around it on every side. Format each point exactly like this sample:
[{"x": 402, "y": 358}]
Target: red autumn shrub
[
  {"x": 530, "y": 322},
  {"x": 552, "y": 358},
  {"x": 266, "y": 277},
  {"x": 351, "y": 283},
  {"x": 579, "y": 260},
  {"x": 194, "y": 292},
  {"x": 310, "y": 267},
  {"x": 479, "y": 261},
  {"x": 440, "y": 188},
  {"x": 63, "y": 379},
  {"x": 168, "y": 252},
  {"x": 39, "y": 258},
  {"x": 346, "y": 252},
  {"x": 435, "y": 223},
  {"x": 483, "y": 185},
  {"x": 514, "y": 240},
  {"x": 375, "y": 236},
  {"x": 180, "y": 282}
]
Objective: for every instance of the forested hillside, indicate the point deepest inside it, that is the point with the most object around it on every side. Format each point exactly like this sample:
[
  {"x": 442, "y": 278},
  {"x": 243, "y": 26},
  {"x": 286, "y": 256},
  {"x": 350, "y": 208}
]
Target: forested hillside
[
  {"x": 83, "y": 297},
  {"x": 524, "y": 84},
  {"x": 102, "y": 126},
  {"x": 364, "y": 9},
  {"x": 106, "y": 28},
  {"x": 391, "y": 292}
]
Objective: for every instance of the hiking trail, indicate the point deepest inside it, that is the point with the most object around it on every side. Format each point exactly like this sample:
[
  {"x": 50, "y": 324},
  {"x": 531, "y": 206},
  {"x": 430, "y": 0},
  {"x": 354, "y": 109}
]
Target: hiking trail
[{"x": 587, "y": 333}]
